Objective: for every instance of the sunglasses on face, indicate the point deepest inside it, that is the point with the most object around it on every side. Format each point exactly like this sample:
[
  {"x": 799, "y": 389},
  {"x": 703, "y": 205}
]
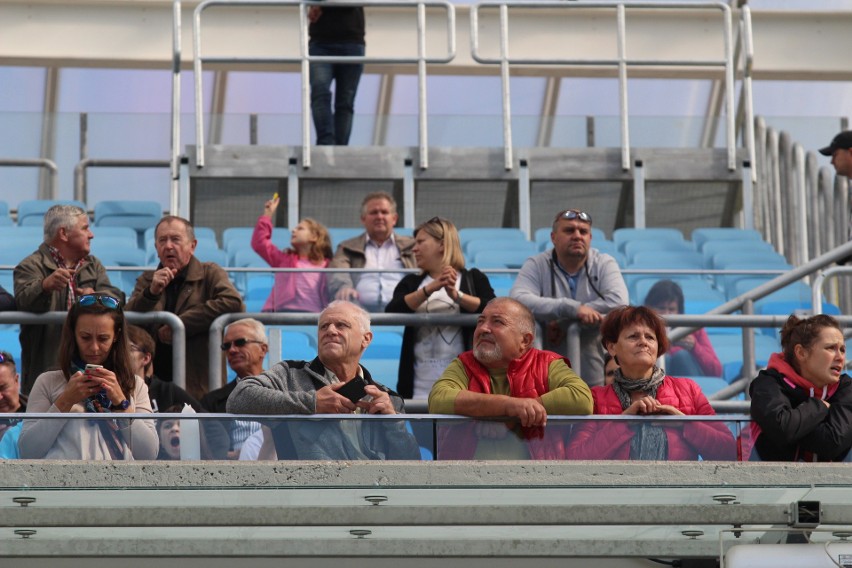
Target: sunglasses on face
[
  {"x": 241, "y": 342},
  {"x": 106, "y": 301},
  {"x": 572, "y": 214}
]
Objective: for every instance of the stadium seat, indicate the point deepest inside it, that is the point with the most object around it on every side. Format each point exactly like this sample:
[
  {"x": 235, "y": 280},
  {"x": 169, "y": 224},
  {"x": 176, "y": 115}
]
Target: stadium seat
[
  {"x": 404, "y": 231},
  {"x": 501, "y": 283},
  {"x": 710, "y": 385},
  {"x": 701, "y": 236},
  {"x": 711, "y": 248},
  {"x": 5, "y": 219},
  {"x": 475, "y": 246},
  {"x": 258, "y": 288},
  {"x": 338, "y": 235},
  {"x": 695, "y": 288},
  {"x": 111, "y": 236},
  {"x": 137, "y": 215},
  {"x": 296, "y": 345},
  {"x": 632, "y": 248},
  {"x": 758, "y": 260},
  {"x": 31, "y": 212},
  {"x": 207, "y": 251},
  {"x": 500, "y": 259},
  {"x": 117, "y": 255},
  {"x": 667, "y": 259},
  {"x": 496, "y": 233},
  {"x": 624, "y": 235}
]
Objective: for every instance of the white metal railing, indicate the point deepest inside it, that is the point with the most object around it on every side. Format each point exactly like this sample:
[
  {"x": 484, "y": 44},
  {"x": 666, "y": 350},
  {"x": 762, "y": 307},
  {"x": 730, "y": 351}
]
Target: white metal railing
[
  {"x": 623, "y": 60},
  {"x": 305, "y": 59}
]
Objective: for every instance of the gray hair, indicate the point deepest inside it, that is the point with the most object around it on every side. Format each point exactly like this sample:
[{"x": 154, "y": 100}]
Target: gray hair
[
  {"x": 256, "y": 326},
  {"x": 60, "y": 217},
  {"x": 378, "y": 195},
  {"x": 190, "y": 231},
  {"x": 525, "y": 320},
  {"x": 362, "y": 315}
]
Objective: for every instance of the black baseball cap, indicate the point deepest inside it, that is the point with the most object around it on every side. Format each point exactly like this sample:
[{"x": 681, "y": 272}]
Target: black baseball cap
[{"x": 841, "y": 141}]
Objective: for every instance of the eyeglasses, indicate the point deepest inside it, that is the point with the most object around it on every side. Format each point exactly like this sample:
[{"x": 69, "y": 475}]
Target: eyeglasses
[
  {"x": 106, "y": 301},
  {"x": 241, "y": 342},
  {"x": 6, "y": 358},
  {"x": 572, "y": 214}
]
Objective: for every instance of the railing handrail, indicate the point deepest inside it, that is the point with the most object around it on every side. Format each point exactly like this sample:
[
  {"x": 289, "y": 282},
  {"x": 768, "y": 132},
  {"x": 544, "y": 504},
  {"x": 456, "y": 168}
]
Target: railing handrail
[
  {"x": 622, "y": 61},
  {"x": 44, "y": 163},
  {"x": 305, "y": 58}
]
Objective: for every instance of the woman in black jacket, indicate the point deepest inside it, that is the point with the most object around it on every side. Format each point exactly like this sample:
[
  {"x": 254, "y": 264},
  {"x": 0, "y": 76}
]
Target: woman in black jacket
[
  {"x": 443, "y": 287},
  {"x": 802, "y": 403}
]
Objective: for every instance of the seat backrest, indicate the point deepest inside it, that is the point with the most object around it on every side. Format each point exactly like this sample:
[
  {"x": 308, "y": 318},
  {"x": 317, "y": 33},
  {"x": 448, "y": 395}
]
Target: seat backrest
[
  {"x": 138, "y": 215},
  {"x": 667, "y": 259},
  {"x": 711, "y": 248},
  {"x": 704, "y": 235},
  {"x": 500, "y": 259},
  {"x": 631, "y": 248},
  {"x": 31, "y": 212},
  {"x": 338, "y": 235},
  {"x": 758, "y": 260},
  {"x": 478, "y": 245},
  {"x": 624, "y": 235},
  {"x": 5, "y": 219}
]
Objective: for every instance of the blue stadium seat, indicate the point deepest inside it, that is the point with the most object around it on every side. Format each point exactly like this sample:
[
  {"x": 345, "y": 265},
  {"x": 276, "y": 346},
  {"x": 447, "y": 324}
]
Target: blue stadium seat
[
  {"x": 500, "y": 259},
  {"x": 701, "y": 236},
  {"x": 758, "y": 260},
  {"x": 404, "y": 231},
  {"x": 258, "y": 288},
  {"x": 710, "y": 385},
  {"x": 114, "y": 237},
  {"x": 207, "y": 251},
  {"x": 501, "y": 283},
  {"x": 137, "y": 215},
  {"x": 632, "y": 248},
  {"x": 475, "y": 246},
  {"x": 338, "y": 235},
  {"x": 10, "y": 342},
  {"x": 5, "y": 219},
  {"x": 385, "y": 345},
  {"x": 667, "y": 259},
  {"x": 496, "y": 233},
  {"x": 622, "y": 236},
  {"x": 297, "y": 345},
  {"x": 711, "y": 248},
  {"x": 695, "y": 288},
  {"x": 31, "y": 212},
  {"x": 729, "y": 349}
]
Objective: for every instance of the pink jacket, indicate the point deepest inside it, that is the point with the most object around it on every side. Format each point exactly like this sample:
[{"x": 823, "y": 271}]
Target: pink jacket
[
  {"x": 284, "y": 290},
  {"x": 610, "y": 440}
]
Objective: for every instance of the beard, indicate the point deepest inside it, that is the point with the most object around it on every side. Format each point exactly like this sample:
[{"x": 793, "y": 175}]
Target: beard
[{"x": 487, "y": 353}]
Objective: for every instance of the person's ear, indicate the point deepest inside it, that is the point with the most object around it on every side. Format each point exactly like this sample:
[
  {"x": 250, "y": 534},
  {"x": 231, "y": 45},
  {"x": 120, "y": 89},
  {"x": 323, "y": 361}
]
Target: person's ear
[
  {"x": 610, "y": 348},
  {"x": 800, "y": 352},
  {"x": 366, "y": 340},
  {"x": 526, "y": 341}
]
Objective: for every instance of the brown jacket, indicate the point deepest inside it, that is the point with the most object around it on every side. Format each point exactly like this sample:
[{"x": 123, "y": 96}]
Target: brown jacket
[{"x": 206, "y": 294}]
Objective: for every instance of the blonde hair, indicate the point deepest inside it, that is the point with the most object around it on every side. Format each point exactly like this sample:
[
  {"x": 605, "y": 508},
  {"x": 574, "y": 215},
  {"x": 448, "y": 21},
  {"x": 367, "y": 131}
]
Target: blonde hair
[
  {"x": 444, "y": 232},
  {"x": 321, "y": 249}
]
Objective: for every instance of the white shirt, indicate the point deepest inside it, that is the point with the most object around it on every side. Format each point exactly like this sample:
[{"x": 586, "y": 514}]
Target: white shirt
[
  {"x": 436, "y": 346},
  {"x": 375, "y": 289}
]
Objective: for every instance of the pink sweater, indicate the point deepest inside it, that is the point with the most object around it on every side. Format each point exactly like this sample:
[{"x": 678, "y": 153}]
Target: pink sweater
[{"x": 292, "y": 292}]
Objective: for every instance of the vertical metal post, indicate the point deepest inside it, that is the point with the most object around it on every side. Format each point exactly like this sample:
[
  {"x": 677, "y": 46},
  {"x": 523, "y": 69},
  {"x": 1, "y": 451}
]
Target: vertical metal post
[
  {"x": 293, "y": 193},
  {"x": 306, "y": 89},
  {"x": 639, "y": 195},
  {"x": 196, "y": 67},
  {"x": 253, "y": 129},
  {"x": 622, "y": 88},
  {"x": 275, "y": 346},
  {"x": 802, "y": 209},
  {"x": 408, "y": 194},
  {"x": 749, "y": 363},
  {"x": 524, "y": 199},
  {"x": 80, "y": 189},
  {"x": 748, "y": 196},
  {"x": 748, "y": 53},
  {"x": 573, "y": 344},
  {"x": 730, "y": 115},
  {"x": 504, "y": 77},
  {"x": 176, "y": 63},
  {"x": 421, "y": 86}
]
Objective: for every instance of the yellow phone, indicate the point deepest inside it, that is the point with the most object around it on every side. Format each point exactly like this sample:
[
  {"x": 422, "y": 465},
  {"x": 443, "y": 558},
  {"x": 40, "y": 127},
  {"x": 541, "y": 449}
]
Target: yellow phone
[{"x": 275, "y": 195}]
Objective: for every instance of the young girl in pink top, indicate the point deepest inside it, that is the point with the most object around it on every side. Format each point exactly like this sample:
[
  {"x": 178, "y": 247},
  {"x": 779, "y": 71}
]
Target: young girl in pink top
[{"x": 310, "y": 247}]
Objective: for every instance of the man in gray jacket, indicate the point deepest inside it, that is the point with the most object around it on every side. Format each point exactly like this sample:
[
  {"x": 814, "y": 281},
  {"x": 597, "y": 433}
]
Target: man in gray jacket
[
  {"x": 572, "y": 282},
  {"x": 315, "y": 387}
]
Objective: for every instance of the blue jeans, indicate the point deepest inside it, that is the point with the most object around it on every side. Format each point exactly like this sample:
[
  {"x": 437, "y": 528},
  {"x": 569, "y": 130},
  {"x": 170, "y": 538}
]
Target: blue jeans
[{"x": 334, "y": 128}]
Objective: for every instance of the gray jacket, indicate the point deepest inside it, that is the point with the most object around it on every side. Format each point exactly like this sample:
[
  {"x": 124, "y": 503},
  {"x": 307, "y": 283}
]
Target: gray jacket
[
  {"x": 543, "y": 288},
  {"x": 290, "y": 388}
]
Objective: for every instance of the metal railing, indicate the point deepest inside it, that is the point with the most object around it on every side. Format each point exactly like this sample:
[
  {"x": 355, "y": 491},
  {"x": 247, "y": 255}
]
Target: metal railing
[
  {"x": 43, "y": 163},
  {"x": 622, "y": 61},
  {"x": 305, "y": 59}
]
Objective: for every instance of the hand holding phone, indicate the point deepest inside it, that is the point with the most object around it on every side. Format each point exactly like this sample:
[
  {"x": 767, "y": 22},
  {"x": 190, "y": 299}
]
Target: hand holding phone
[{"x": 354, "y": 389}]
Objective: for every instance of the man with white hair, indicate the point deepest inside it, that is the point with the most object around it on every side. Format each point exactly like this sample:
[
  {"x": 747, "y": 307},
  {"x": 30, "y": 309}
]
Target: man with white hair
[
  {"x": 333, "y": 383},
  {"x": 51, "y": 279},
  {"x": 504, "y": 376}
]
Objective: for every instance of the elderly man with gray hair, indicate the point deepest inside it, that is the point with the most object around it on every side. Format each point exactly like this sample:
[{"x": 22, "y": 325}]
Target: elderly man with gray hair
[
  {"x": 51, "y": 279},
  {"x": 333, "y": 383}
]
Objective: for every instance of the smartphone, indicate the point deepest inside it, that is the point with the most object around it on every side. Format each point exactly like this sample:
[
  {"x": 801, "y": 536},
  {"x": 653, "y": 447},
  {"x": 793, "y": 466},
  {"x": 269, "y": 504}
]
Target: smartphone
[
  {"x": 275, "y": 195},
  {"x": 354, "y": 389},
  {"x": 90, "y": 367}
]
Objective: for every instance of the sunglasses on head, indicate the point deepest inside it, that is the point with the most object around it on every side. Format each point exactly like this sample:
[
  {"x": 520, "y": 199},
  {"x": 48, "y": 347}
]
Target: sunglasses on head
[
  {"x": 6, "y": 358},
  {"x": 572, "y": 214},
  {"x": 241, "y": 342},
  {"x": 106, "y": 301}
]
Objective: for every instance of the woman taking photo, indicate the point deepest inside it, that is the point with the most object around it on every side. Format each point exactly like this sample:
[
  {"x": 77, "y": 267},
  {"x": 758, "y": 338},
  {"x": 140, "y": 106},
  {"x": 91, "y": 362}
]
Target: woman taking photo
[
  {"x": 95, "y": 376},
  {"x": 443, "y": 287},
  {"x": 636, "y": 337},
  {"x": 801, "y": 405},
  {"x": 310, "y": 247}
]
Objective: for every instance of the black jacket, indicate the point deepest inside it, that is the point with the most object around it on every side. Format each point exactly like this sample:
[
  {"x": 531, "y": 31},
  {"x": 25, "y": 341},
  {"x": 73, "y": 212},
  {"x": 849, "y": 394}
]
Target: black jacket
[
  {"x": 792, "y": 422},
  {"x": 473, "y": 282}
]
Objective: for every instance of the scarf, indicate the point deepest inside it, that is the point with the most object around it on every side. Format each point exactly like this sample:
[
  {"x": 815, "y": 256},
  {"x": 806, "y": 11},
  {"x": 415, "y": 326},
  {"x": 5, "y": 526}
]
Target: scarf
[
  {"x": 60, "y": 262},
  {"x": 649, "y": 442}
]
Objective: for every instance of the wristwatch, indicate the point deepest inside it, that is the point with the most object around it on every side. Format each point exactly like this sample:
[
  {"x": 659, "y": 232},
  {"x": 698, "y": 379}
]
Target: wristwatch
[{"x": 123, "y": 405}]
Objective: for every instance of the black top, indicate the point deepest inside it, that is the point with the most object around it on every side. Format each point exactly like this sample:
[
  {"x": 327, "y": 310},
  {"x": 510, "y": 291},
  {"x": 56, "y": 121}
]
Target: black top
[
  {"x": 338, "y": 25},
  {"x": 792, "y": 422},
  {"x": 473, "y": 282}
]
